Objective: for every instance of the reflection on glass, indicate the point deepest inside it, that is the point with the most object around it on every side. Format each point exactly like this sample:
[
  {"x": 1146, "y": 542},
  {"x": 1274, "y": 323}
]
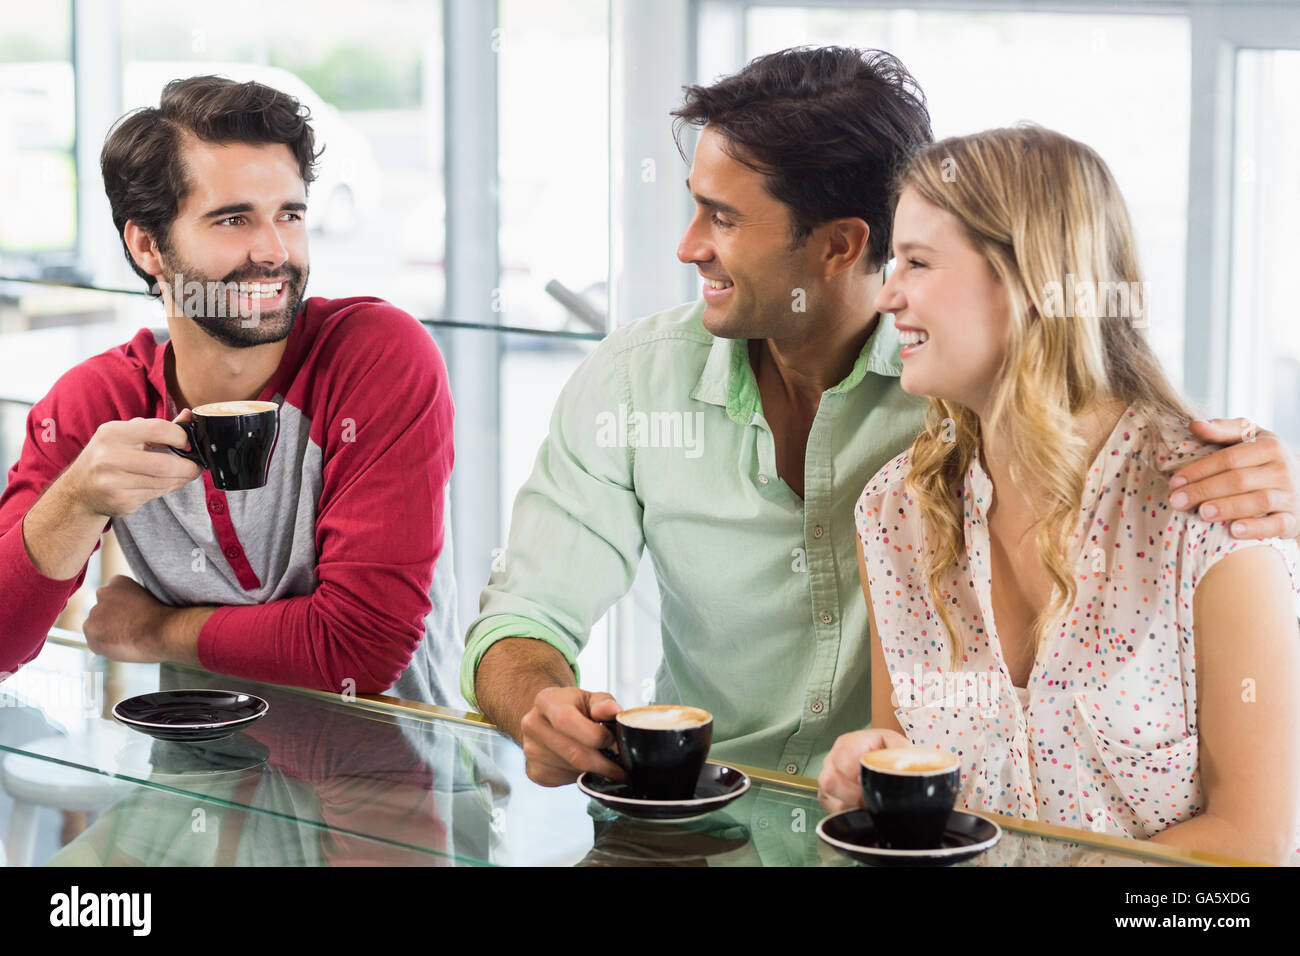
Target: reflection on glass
[
  {"x": 316, "y": 783},
  {"x": 323, "y": 781}
]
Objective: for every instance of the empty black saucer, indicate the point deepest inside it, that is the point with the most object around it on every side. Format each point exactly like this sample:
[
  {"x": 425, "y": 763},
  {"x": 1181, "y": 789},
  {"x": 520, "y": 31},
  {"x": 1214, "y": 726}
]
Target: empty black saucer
[
  {"x": 718, "y": 786},
  {"x": 190, "y": 715},
  {"x": 853, "y": 834}
]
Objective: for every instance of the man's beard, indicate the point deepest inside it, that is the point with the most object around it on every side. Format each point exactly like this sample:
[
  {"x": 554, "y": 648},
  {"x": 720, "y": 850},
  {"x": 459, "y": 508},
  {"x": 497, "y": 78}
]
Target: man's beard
[{"x": 192, "y": 296}]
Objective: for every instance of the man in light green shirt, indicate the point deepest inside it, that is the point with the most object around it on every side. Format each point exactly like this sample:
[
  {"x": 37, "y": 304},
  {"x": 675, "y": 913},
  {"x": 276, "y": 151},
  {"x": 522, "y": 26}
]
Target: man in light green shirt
[
  {"x": 732, "y": 438},
  {"x": 763, "y": 618}
]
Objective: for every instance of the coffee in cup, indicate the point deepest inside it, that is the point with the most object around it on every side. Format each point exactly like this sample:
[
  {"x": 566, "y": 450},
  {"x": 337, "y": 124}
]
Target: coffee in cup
[
  {"x": 234, "y": 441},
  {"x": 910, "y": 792},
  {"x": 663, "y": 748},
  {"x": 235, "y": 408}
]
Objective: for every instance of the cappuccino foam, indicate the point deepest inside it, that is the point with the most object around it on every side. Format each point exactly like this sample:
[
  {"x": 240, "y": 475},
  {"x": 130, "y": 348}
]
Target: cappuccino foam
[
  {"x": 664, "y": 718},
  {"x": 908, "y": 760},
  {"x": 214, "y": 409}
]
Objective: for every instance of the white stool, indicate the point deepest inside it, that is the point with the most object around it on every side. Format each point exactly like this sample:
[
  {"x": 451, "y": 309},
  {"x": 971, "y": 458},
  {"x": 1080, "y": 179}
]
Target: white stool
[{"x": 34, "y": 783}]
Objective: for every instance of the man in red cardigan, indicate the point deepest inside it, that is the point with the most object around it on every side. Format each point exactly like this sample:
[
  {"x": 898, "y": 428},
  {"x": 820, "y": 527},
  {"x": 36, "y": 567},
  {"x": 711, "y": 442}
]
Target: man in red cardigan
[{"x": 329, "y": 577}]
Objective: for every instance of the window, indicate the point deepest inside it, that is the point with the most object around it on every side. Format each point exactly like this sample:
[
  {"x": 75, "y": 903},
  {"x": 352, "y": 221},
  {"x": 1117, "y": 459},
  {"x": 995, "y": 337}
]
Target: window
[
  {"x": 576, "y": 82},
  {"x": 553, "y": 129},
  {"x": 1264, "y": 336},
  {"x": 375, "y": 95},
  {"x": 38, "y": 184}
]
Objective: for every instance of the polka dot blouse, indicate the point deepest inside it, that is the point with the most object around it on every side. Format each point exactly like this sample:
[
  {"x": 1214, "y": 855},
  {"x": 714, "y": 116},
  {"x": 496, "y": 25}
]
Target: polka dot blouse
[{"x": 1104, "y": 735}]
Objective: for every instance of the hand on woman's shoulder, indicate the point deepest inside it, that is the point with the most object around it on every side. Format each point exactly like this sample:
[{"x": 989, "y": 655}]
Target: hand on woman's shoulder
[
  {"x": 1204, "y": 541},
  {"x": 1173, "y": 444}
]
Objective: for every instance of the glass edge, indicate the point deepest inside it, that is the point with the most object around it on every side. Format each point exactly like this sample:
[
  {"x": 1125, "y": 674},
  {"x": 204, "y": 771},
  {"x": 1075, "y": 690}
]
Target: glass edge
[{"x": 432, "y": 323}]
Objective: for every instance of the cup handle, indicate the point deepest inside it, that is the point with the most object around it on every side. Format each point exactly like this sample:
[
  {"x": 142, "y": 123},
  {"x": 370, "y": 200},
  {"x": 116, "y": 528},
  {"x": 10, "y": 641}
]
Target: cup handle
[
  {"x": 192, "y": 453},
  {"x": 611, "y": 753}
]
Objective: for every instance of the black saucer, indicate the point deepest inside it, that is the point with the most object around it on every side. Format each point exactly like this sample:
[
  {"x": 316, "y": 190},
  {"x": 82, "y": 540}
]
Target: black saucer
[
  {"x": 853, "y": 834},
  {"x": 190, "y": 715},
  {"x": 718, "y": 786}
]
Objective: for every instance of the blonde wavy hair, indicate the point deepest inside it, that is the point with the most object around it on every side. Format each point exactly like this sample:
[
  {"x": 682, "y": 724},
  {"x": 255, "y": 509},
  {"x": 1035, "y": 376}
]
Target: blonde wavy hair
[{"x": 1044, "y": 211}]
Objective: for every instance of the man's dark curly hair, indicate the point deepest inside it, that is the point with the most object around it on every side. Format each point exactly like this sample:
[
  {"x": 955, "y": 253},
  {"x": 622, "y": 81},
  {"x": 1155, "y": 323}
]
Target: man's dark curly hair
[
  {"x": 144, "y": 176},
  {"x": 830, "y": 128}
]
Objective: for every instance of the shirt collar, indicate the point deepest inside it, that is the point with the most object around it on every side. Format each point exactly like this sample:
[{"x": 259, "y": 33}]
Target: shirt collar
[
  {"x": 728, "y": 378},
  {"x": 1124, "y": 442},
  {"x": 158, "y": 370},
  {"x": 979, "y": 489}
]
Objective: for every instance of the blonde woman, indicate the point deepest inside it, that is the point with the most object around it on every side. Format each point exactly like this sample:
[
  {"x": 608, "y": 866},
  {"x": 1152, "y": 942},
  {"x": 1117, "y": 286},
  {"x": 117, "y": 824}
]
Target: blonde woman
[{"x": 1093, "y": 657}]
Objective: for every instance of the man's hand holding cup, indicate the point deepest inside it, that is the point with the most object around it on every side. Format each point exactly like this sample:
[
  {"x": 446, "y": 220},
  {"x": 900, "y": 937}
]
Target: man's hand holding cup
[{"x": 563, "y": 735}]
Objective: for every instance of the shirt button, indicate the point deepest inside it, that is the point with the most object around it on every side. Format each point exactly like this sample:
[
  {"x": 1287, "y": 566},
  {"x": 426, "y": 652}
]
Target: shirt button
[
  {"x": 762, "y": 479},
  {"x": 817, "y": 531},
  {"x": 826, "y": 617},
  {"x": 817, "y": 707},
  {"x": 232, "y": 552},
  {"x": 792, "y": 768},
  {"x": 762, "y": 823},
  {"x": 216, "y": 506}
]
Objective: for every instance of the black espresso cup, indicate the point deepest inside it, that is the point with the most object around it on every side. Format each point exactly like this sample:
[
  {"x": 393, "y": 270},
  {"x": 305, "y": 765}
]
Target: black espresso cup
[
  {"x": 663, "y": 748},
  {"x": 234, "y": 441},
  {"x": 910, "y": 792}
]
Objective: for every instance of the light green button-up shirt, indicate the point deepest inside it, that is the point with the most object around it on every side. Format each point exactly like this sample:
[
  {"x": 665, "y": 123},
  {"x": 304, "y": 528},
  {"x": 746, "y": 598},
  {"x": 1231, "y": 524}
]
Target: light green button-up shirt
[{"x": 658, "y": 441}]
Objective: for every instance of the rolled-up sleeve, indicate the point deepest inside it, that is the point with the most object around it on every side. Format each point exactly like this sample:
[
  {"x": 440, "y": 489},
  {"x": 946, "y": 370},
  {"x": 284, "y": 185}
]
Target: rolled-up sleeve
[{"x": 575, "y": 534}]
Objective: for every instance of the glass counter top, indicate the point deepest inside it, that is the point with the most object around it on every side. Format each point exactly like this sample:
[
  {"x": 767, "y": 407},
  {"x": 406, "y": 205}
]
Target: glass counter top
[{"x": 327, "y": 781}]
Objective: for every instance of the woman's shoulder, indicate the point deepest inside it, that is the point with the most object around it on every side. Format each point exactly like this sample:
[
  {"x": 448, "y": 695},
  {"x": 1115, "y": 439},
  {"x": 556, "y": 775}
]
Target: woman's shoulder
[
  {"x": 888, "y": 481},
  {"x": 1148, "y": 445},
  {"x": 1169, "y": 445},
  {"x": 1165, "y": 439}
]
